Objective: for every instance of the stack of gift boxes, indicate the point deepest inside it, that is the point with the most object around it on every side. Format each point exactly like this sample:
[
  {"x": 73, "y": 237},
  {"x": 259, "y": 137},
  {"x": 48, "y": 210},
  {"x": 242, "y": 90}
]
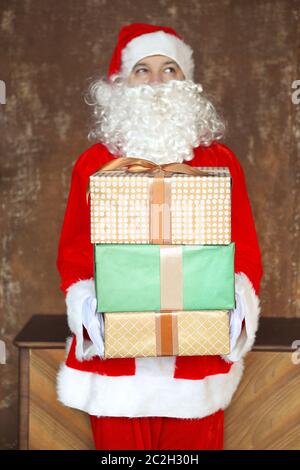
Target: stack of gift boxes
[{"x": 164, "y": 259}]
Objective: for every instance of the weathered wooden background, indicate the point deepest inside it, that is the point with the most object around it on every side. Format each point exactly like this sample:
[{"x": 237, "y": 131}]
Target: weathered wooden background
[{"x": 247, "y": 55}]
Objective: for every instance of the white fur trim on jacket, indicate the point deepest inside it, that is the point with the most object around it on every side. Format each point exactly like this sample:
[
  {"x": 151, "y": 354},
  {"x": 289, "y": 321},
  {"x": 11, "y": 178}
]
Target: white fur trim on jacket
[
  {"x": 75, "y": 296},
  {"x": 147, "y": 394},
  {"x": 251, "y": 308}
]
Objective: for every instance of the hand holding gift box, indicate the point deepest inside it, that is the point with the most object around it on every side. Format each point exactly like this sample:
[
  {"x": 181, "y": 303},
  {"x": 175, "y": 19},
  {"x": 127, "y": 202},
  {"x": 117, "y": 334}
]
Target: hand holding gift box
[
  {"x": 236, "y": 320},
  {"x": 155, "y": 298},
  {"x": 94, "y": 323},
  {"x": 152, "y": 277},
  {"x": 132, "y": 334}
]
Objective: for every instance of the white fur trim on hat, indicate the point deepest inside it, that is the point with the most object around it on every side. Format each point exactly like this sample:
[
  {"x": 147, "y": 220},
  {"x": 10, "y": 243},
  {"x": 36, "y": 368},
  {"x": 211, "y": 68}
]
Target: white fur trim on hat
[
  {"x": 251, "y": 309},
  {"x": 158, "y": 43}
]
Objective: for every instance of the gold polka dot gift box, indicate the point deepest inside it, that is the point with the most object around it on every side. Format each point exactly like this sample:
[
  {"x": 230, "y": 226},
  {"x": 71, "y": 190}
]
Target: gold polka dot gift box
[{"x": 137, "y": 201}]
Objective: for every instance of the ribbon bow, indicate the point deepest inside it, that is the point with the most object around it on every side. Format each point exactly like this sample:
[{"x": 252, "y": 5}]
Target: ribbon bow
[{"x": 138, "y": 165}]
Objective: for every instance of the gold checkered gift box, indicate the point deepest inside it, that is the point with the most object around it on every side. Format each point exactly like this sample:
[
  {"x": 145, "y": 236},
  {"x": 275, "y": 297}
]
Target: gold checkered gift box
[
  {"x": 183, "y": 333},
  {"x": 176, "y": 209}
]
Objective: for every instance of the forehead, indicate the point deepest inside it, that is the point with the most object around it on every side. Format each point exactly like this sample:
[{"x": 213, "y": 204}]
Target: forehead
[{"x": 156, "y": 60}]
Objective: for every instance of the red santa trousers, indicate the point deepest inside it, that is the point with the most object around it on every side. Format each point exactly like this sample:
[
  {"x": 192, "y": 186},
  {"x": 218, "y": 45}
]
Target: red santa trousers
[{"x": 158, "y": 433}]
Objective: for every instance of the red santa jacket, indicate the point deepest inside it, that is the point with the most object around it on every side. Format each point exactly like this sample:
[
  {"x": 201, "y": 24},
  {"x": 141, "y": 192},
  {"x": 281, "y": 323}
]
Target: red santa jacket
[{"x": 182, "y": 386}]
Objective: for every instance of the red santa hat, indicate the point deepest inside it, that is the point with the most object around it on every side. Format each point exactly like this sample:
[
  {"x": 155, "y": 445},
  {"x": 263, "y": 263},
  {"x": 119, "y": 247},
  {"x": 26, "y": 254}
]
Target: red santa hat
[{"x": 139, "y": 40}]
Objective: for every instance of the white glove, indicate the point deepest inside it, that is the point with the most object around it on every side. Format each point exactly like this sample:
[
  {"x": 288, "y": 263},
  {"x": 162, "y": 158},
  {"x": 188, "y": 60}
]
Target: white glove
[
  {"x": 236, "y": 319},
  {"x": 94, "y": 323}
]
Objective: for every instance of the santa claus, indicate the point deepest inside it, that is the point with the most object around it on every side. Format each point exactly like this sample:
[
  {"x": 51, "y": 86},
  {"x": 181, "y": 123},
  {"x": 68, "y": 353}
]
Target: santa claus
[{"x": 149, "y": 107}]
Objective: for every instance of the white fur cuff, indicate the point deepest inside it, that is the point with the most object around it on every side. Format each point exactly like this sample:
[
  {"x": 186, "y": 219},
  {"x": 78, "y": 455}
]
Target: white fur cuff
[
  {"x": 75, "y": 296},
  {"x": 251, "y": 307}
]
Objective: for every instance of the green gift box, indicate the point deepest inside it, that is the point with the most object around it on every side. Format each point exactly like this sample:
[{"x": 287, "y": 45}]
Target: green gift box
[{"x": 140, "y": 277}]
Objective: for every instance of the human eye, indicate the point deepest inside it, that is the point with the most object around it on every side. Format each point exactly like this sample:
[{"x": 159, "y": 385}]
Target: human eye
[
  {"x": 170, "y": 68},
  {"x": 141, "y": 69}
]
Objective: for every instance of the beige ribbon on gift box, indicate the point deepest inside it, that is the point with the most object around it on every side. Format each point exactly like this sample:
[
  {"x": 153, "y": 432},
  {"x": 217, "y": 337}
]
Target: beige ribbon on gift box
[
  {"x": 171, "y": 299},
  {"x": 166, "y": 331},
  {"x": 160, "y": 190}
]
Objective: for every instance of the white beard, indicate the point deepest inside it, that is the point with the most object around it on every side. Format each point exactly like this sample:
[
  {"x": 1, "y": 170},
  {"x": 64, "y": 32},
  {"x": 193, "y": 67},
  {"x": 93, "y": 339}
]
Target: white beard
[{"x": 161, "y": 123}]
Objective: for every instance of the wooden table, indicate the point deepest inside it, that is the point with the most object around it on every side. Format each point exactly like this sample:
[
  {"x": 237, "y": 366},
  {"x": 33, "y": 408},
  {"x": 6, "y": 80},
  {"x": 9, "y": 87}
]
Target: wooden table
[{"x": 264, "y": 412}]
